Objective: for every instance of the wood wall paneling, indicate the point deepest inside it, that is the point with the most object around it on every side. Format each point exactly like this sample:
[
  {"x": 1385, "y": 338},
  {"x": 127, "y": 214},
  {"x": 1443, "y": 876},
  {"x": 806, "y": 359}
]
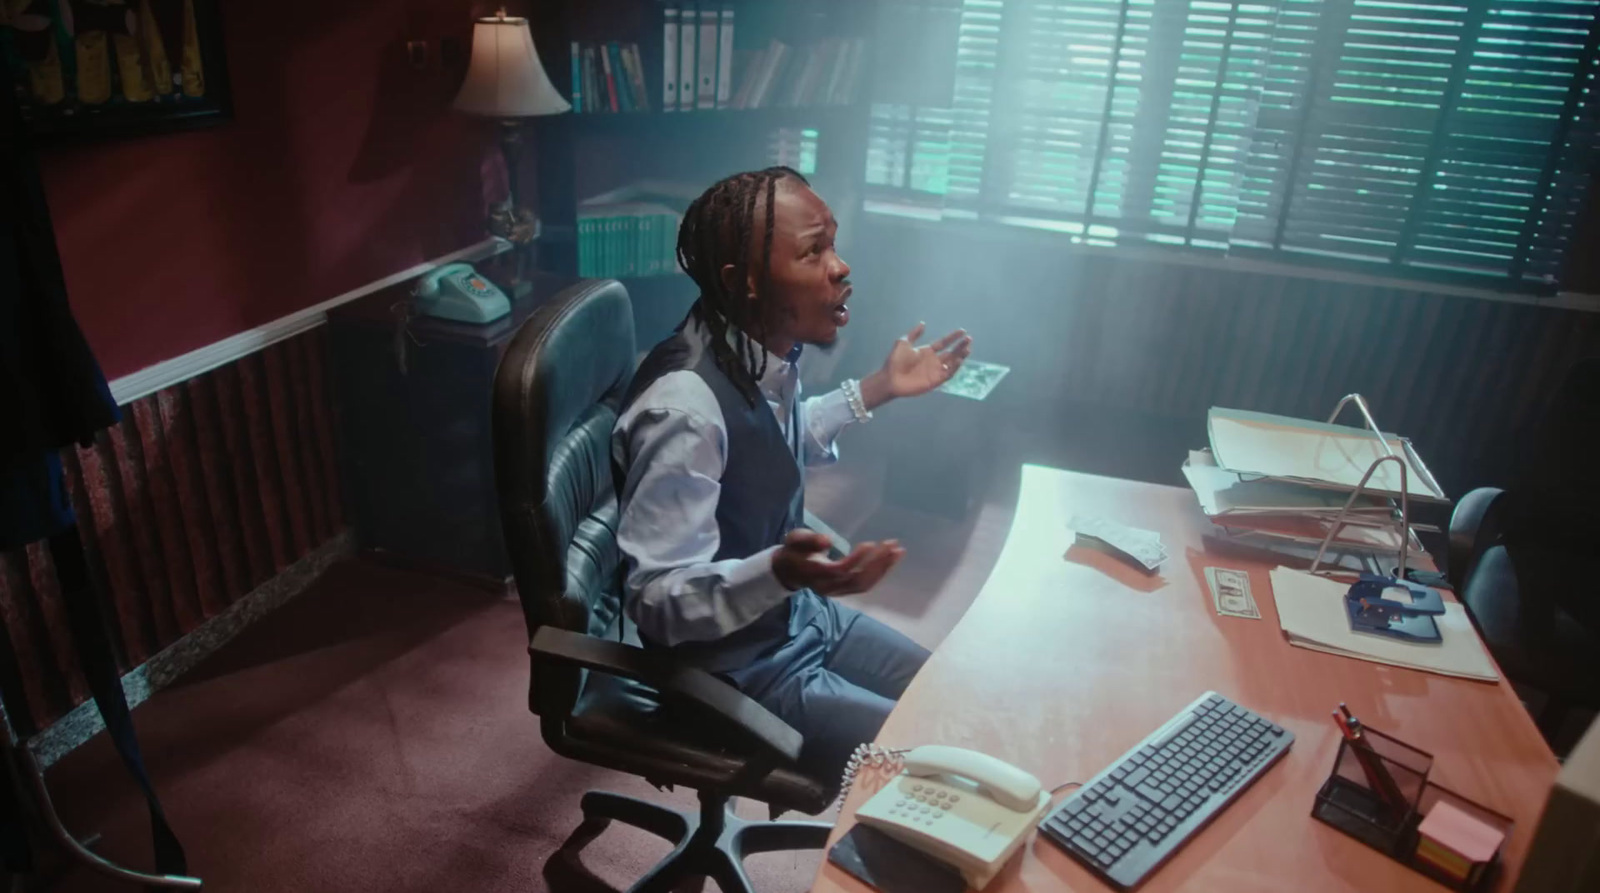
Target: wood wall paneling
[{"x": 201, "y": 493}]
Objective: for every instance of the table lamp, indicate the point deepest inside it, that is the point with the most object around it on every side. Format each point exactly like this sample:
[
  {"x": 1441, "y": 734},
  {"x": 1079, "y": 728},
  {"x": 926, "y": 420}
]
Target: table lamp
[{"x": 505, "y": 80}]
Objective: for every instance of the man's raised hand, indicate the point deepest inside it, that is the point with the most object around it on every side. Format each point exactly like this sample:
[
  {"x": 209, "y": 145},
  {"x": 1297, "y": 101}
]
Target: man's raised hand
[{"x": 910, "y": 370}]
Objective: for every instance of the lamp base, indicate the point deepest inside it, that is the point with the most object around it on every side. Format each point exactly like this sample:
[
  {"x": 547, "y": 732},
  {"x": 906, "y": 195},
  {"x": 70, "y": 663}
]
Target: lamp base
[
  {"x": 519, "y": 227},
  {"x": 512, "y": 271},
  {"x": 510, "y": 220}
]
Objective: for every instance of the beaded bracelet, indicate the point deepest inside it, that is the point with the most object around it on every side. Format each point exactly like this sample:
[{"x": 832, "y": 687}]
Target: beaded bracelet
[{"x": 852, "y": 395}]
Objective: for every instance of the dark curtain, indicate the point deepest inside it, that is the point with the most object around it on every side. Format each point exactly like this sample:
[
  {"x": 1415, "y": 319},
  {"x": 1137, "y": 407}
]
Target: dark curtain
[{"x": 51, "y": 390}]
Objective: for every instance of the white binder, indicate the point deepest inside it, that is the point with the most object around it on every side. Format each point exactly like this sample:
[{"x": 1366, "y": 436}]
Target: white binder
[
  {"x": 686, "y": 69},
  {"x": 706, "y": 61},
  {"x": 725, "y": 60},
  {"x": 669, "y": 59}
]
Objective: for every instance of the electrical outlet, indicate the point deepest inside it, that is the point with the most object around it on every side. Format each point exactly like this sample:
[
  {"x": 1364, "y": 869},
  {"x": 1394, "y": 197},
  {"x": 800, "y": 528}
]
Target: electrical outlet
[{"x": 417, "y": 54}]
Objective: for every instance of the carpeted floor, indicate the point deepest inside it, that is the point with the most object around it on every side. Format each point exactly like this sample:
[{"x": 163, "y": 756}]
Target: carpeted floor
[{"x": 373, "y": 735}]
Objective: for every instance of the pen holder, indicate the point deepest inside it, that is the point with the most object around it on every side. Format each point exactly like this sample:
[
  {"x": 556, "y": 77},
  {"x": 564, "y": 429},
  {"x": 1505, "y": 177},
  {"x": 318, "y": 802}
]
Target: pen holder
[
  {"x": 1353, "y": 800},
  {"x": 1356, "y": 799}
]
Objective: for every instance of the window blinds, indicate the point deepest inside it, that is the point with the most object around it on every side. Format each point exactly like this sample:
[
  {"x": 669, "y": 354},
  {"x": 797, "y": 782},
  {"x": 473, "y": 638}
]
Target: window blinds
[
  {"x": 919, "y": 151},
  {"x": 1448, "y": 136},
  {"x": 1132, "y": 117},
  {"x": 1453, "y": 139}
]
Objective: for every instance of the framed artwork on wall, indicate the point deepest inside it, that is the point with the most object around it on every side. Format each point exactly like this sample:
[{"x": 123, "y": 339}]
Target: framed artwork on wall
[{"x": 115, "y": 67}]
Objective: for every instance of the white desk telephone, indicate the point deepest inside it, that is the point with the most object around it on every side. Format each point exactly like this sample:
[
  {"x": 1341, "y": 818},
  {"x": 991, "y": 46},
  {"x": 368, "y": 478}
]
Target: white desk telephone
[{"x": 962, "y": 807}]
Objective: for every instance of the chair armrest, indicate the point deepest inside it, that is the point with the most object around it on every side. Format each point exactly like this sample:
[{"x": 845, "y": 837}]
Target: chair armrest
[
  {"x": 1475, "y": 525},
  {"x": 661, "y": 672}
]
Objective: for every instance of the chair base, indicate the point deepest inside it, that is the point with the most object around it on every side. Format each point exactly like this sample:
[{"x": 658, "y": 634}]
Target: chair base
[{"x": 710, "y": 845}]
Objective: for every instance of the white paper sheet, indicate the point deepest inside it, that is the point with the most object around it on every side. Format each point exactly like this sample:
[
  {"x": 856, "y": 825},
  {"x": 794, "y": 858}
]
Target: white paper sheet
[
  {"x": 1222, "y": 492},
  {"x": 1284, "y": 447}
]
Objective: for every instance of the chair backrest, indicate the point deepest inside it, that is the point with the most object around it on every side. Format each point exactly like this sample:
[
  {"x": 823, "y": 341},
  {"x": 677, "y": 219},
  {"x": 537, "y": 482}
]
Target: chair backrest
[
  {"x": 556, "y": 396},
  {"x": 1558, "y": 457}
]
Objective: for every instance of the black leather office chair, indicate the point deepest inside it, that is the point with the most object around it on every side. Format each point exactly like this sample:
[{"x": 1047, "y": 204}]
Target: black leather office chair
[
  {"x": 1522, "y": 558},
  {"x": 600, "y": 697}
]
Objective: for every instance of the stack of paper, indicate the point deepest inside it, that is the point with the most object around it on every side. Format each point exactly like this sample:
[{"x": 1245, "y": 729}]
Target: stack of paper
[
  {"x": 1456, "y": 842},
  {"x": 1315, "y": 454},
  {"x": 1281, "y": 484},
  {"x": 1312, "y": 613}
]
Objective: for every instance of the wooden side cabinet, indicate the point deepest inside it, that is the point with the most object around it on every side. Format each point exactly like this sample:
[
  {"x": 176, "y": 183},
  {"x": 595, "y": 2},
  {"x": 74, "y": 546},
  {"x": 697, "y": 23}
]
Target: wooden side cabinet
[{"x": 413, "y": 405}]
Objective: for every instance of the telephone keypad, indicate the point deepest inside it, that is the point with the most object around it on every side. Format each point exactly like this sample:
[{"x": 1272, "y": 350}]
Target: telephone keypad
[{"x": 920, "y": 803}]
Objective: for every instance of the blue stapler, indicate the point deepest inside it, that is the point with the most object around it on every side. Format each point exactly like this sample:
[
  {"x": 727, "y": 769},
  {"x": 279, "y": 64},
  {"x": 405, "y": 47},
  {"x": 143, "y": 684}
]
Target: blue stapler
[{"x": 1394, "y": 607}]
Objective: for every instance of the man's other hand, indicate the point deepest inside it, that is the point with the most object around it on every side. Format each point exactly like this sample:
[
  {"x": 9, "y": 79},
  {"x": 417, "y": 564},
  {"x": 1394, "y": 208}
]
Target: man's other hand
[{"x": 802, "y": 563}]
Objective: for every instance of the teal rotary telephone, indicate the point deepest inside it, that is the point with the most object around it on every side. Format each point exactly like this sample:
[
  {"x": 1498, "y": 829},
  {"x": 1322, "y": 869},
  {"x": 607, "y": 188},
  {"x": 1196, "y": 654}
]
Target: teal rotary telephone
[{"x": 456, "y": 291}]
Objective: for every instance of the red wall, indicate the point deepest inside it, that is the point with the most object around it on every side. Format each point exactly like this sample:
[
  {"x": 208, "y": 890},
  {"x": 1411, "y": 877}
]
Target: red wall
[{"x": 342, "y": 165}]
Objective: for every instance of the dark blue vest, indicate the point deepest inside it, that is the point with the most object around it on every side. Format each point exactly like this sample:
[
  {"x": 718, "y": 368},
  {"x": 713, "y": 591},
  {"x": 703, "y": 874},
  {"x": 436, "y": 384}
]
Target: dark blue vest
[{"x": 762, "y": 495}]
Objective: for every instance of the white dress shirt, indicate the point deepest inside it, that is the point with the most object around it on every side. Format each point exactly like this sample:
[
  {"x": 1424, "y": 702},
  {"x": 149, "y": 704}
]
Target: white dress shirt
[{"x": 674, "y": 444}]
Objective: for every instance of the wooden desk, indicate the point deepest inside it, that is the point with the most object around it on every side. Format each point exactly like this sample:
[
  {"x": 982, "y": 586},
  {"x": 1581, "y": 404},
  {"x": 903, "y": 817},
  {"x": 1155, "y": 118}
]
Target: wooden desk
[{"x": 1063, "y": 663}]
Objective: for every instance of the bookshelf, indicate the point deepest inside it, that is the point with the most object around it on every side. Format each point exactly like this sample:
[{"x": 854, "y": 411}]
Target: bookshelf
[{"x": 588, "y": 153}]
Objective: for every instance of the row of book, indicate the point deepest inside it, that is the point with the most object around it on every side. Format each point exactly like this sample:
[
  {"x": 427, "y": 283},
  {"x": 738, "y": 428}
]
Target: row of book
[
  {"x": 608, "y": 77},
  {"x": 627, "y": 239},
  {"x": 700, "y": 66}
]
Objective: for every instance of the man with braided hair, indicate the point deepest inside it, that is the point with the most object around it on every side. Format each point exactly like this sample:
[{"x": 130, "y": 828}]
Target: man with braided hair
[{"x": 710, "y": 450}]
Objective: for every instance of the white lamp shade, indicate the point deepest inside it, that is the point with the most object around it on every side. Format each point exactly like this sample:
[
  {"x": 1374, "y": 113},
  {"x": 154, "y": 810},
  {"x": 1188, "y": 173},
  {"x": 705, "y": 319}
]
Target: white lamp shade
[{"x": 505, "y": 78}]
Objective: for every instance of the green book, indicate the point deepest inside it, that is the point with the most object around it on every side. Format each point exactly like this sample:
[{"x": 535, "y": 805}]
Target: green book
[
  {"x": 626, "y": 238},
  {"x": 619, "y": 239},
  {"x": 648, "y": 263},
  {"x": 609, "y": 267},
  {"x": 630, "y": 244},
  {"x": 585, "y": 246},
  {"x": 619, "y": 246},
  {"x": 652, "y": 246}
]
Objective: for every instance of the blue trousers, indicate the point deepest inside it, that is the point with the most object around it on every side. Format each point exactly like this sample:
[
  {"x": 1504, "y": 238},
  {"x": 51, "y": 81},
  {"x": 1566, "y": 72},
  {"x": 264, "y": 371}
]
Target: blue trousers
[{"x": 834, "y": 681}]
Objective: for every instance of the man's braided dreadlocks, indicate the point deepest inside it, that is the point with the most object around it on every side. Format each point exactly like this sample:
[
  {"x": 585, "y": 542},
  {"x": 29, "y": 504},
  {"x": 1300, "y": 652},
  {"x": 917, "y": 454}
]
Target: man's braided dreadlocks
[{"x": 716, "y": 231}]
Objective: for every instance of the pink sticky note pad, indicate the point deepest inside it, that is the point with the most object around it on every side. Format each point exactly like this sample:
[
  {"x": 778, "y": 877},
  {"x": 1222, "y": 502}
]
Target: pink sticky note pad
[{"x": 1474, "y": 840}]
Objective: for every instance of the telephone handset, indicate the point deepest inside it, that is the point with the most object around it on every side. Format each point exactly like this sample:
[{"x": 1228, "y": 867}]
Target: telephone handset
[{"x": 962, "y": 807}]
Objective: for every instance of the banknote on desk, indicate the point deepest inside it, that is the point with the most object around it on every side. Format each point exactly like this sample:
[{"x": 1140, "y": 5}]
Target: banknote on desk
[
  {"x": 1230, "y": 593},
  {"x": 1141, "y": 548}
]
